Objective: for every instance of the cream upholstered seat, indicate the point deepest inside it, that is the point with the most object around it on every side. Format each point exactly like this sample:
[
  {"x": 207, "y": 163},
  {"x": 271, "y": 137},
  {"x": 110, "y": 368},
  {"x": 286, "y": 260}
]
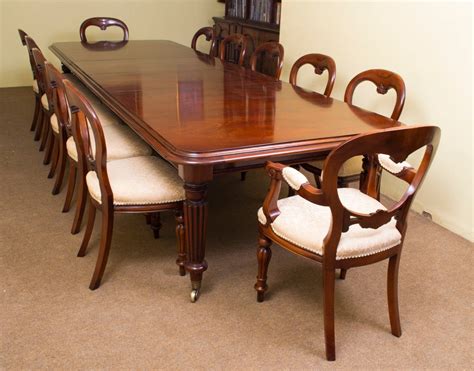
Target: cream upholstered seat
[
  {"x": 54, "y": 123},
  {"x": 144, "y": 180},
  {"x": 35, "y": 86},
  {"x": 121, "y": 143},
  {"x": 306, "y": 224},
  {"x": 353, "y": 166},
  {"x": 44, "y": 102}
]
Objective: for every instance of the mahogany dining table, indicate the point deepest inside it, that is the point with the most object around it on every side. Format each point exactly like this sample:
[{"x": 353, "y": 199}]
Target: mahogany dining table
[{"x": 208, "y": 117}]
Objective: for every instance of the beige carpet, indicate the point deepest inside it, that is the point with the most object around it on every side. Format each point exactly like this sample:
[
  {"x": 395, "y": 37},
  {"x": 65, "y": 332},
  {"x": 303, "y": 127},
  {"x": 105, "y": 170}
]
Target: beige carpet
[{"x": 141, "y": 317}]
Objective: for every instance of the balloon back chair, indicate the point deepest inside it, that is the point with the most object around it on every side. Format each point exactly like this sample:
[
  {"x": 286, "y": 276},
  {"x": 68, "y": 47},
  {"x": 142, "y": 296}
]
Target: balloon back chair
[{"x": 342, "y": 228}]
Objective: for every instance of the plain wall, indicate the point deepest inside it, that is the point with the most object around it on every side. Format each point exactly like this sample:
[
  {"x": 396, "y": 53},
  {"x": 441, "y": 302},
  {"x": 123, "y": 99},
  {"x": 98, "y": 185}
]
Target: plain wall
[
  {"x": 430, "y": 45},
  {"x": 51, "y": 21}
]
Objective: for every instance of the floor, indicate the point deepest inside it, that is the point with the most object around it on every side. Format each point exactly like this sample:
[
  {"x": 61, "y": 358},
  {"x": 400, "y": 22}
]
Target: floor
[{"x": 141, "y": 316}]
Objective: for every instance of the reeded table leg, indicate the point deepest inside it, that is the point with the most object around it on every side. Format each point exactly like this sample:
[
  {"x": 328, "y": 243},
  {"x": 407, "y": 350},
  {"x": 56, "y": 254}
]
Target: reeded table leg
[{"x": 196, "y": 180}]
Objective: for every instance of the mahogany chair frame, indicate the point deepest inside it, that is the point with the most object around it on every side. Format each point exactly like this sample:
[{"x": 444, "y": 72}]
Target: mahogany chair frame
[
  {"x": 37, "y": 110},
  {"x": 40, "y": 118},
  {"x": 103, "y": 23},
  {"x": 209, "y": 34},
  {"x": 273, "y": 49},
  {"x": 236, "y": 39},
  {"x": 46, "y": 136},
  {"x": 398, "y": 144},
  {"x": 84, "y": 115},
  {"x": 60, "y": 156},
  {"x": 384, "y": 80},
  {"x": 321, "y": 63}
]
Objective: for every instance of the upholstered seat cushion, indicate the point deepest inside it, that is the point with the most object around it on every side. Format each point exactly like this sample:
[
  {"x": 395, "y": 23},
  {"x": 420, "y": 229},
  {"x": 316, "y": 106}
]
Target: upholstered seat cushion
[
  {"x": 44, "y": 102},
  {"x": 392, "y": 167},
  {"x": 306, "y": 224},
  {"x": 144, "y": 180},
  {"x": 121, "y": 143},
  {"x": 54, "y": 123},
  {"x": 353, "y": 166},
  {"x": 35, "y": 86}
]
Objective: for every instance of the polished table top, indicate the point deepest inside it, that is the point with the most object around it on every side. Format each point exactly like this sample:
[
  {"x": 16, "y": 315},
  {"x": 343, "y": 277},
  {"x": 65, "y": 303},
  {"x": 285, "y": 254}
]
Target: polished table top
[{"x": 196, "y": 109}]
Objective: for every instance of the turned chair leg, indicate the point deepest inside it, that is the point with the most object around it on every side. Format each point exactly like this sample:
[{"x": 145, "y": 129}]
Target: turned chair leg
[
  {"x": 48, "y": 147},
  {"x": 243, "y": 176},
  {"x": 39, "y": 125},
  {"x": 44, "y": 131},
  {"x": 60, "y": 167},
  {"x": 392, "y": 293},
  {"x": 80, "y": 204},
  {"x": 54, "y": 159},
  {"x": 264, "y": 254},
  {"x": 105, "y": 241},
  {"x": 155, "y": 222},
  {"x": 90, "y": 226},
  {"x": 329, "y": 286},
  {"x": 71, "y": 184},
  {"x": 181, "y": 242},
  {"x": 343, "y": 274},
  {"x": 36, "y": 113}
]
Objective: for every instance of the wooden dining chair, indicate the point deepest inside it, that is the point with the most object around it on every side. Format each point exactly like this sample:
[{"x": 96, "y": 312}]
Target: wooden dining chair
[
  {"x": 121, "y": 143},
  {"x": 103, "y": 23},
  {"x": 37, "y": 113},
  {"x": 46, "y": 103},
  {"x": 60, "y": 125},
  {"x": 321, "y": 63},
  {"x": 233, "y": 48},
  {"x": 384, "y": 80},
  {"x": 208, "y": 33},
  {"x": 268, "y": 59},
  {"x": 142, "y": 184},
  {"x": 343, "y": 228}
]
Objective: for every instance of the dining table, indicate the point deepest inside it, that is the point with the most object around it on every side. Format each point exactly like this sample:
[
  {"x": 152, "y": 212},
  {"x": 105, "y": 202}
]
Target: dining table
[{"x": 209, "y": 117}]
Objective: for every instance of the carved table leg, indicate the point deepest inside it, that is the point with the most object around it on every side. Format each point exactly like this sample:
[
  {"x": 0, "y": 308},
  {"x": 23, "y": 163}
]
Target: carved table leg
[{"x": 195, "y": 221}]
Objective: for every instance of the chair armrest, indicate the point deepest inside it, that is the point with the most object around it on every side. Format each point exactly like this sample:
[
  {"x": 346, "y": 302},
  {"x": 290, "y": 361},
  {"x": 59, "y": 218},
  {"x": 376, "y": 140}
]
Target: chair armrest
[{"x": 295, "y": 180}]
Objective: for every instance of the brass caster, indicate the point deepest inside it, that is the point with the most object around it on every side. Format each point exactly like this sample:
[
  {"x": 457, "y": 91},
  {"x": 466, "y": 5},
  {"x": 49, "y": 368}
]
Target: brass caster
[{"x": 194, "y": 295}]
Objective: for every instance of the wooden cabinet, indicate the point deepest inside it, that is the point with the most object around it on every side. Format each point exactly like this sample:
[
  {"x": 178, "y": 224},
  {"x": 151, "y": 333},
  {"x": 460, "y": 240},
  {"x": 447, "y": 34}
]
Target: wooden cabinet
[{"x": 240, "y": 18}]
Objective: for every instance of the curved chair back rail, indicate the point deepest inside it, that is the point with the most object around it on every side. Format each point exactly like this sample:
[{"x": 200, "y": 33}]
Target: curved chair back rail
[
  {"x": 23, "y": 34},
  {"x": 398, "y": 144},
  {"x": 83, "y": 120},
  {"x": 103, "y": 23},
  {"x": 320, "y": 62},
  {"x": 238, "y": 41},
  {"x": 271, "y": 49},
  {"x": 208, "y": 33},
  {"x": 54, "y": 80},
  {"x": 30, "y": 44},
  {"x": 39, "y": 59},
  {"x": 384, "y": 80}
]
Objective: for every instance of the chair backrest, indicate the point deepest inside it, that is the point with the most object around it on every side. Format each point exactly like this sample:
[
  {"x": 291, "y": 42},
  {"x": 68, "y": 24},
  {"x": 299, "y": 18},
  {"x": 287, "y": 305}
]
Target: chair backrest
[
  {"x": 320, "y": 62},
  {"x": 39, "y": 60},
  {"x": 208, "y": 32},
  {"x": 23, "y": 36},
  {"x": 269, "y": 51},
  {"x": 30, "y": 44},
  {"x": 103, "y": 23},
  {"x": 397, "y": 144},
  {"x": 233, "y": 49},
  {"x": 384, "y": 80},
  {"x": 54, "y": 80},
  {"x": 89, "y": 137}
]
